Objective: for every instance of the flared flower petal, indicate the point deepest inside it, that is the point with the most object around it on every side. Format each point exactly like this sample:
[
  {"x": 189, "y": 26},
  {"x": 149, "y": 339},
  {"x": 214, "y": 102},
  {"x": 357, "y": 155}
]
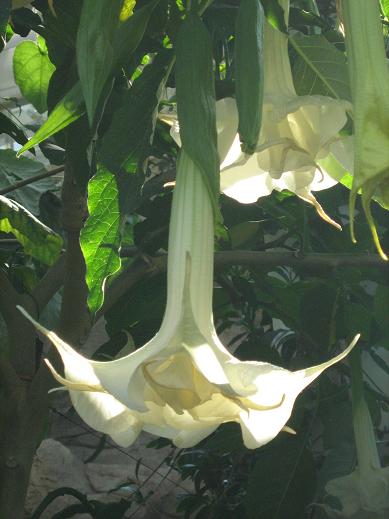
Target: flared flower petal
[{"x": 184, "y": 383}]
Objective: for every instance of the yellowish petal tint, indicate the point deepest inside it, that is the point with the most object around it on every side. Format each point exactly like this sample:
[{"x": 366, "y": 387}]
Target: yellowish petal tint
[{"x": 183, "y": 383}]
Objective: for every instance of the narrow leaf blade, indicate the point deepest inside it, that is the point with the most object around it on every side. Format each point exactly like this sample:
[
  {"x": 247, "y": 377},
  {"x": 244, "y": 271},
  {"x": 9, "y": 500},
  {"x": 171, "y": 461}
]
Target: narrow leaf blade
[
  {"x": 69, "y": 109},
  {"x": 249, "y": 72}
]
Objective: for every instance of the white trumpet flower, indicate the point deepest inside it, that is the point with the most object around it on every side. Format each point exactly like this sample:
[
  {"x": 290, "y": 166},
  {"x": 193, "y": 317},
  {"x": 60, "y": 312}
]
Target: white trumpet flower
[
  {"x": 183, "y": 383},
  {"x": 297, "y": 132},
  {"x": 363, "y": 494}
]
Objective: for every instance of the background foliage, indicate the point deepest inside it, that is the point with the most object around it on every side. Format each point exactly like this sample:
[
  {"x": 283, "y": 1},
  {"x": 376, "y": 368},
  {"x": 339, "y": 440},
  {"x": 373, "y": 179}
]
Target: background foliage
[{"x": 101, "y": 81}]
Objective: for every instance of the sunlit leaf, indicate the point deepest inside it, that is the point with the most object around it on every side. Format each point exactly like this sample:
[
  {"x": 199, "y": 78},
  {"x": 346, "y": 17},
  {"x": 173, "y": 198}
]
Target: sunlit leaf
[
  {"x": 37, "y": 240},
  {"x": 320, "y": 67},
  {"x": 32, "y": 71},
  {"x": 100, "y": 237},
  {"x": 127, "y": 9},
  {"x": 69, "y": 109}
]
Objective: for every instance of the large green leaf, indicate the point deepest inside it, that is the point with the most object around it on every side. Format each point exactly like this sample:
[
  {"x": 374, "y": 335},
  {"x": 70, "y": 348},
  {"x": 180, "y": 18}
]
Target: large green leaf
[
  {"x": 69, "y": 109},
  {"x": 196, "y": 101},
  {"x": 100, "y": 237},
  {"x": 249, "y": 72},
  {"x": 95, "y": 53},
  {"x": 32, "y": 71},
  {"x": 13, "y": 169},
  {"x": 320, "y": 68},
  {"x": 135, "y": 118},
  {"x": 37, "y": 240},
  {"x": 282, "y": 482},
  {"x": 104, "y": 42}
]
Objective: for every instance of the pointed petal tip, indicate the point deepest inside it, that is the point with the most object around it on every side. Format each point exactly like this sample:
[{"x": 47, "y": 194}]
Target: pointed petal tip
[
  {"x": 38, "y": 326},
  {"x": 289, "y": 430},
  {"x": 70, "y": 385}
]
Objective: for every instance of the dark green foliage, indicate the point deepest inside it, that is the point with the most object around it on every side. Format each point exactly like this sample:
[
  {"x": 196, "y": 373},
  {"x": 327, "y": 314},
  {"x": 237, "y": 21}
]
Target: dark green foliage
[
  {"x": 249, "y": 72},
  {"x": 196, "y": 100}
]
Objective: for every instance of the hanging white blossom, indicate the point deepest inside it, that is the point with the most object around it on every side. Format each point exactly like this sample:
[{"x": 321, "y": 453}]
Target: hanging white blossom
[{"x": 183, "y": 383}]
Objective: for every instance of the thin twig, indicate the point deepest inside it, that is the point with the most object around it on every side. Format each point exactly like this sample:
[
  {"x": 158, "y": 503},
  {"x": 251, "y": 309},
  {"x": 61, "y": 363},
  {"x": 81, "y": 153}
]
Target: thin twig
[{"x": 30, "y": 180}]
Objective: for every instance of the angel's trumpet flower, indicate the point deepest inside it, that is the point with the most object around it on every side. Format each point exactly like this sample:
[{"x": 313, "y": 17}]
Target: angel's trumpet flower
[
  {"x": 183, "y": 383},
  {"x": 297, "y": 132},
  {"x": 363, "y": 494}
]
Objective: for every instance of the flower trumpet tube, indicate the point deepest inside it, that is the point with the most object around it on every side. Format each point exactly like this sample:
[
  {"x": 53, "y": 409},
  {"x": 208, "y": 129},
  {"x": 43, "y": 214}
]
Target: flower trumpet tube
[
  {"x": 369, "y": 77},
  {"x": 183, "y": 383},
  {"x": 363, "y": 494}
]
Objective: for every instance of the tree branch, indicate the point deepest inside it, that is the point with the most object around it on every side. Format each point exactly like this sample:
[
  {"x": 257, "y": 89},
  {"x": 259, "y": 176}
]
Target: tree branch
[
  {"x": 30, "y": 180},
  {"x": 50, "y": 283},
  {"x": 145, "y": 266},
  {"x": 75, "y": 321},
  {"x": 9, "y": 298},
  {"x": 314, "y": 260}
]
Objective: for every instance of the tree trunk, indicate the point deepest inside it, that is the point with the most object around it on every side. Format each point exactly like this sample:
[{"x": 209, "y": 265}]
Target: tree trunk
[{"x": 24, "y": 418}]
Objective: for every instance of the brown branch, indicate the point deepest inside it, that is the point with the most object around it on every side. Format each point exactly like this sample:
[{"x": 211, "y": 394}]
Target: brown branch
[
  {"x": 139, "y": 268},
  {"x": 50, "y": 283},
  {"x": 143, "y": 266},
  {"x": 30, "y": 180},
  {"x": 9, "y": 298},
  {"x": 314, "y": 260},
  {"x": 75, "y": 322}
]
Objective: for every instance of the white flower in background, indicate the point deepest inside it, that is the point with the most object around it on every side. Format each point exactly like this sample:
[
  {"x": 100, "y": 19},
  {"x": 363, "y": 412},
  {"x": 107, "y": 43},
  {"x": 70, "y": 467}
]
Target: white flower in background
[
  {"x": 363, "y": 494},
  {"x": 369, "y": 75},
  {"x": 297, "y": 132},
  {"x": 183, "y": 383}
]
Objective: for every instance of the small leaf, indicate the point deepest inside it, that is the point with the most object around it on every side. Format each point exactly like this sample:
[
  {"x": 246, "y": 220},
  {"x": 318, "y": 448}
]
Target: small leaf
[
  {"x": 37, "y": 240},
  {"x": 5, "y": 8},
  {"x": 13, "y": 170},
  {"x": 69, "y": 109},
  {"x": 127, "y": 9},
  {"x": 275, "y": 15},
  {"x": 320, "y": 67},
  {"x": 32, "y": 71},
  {"x": 100, "y": 237},
  {"x": 12, "y": 129}
]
